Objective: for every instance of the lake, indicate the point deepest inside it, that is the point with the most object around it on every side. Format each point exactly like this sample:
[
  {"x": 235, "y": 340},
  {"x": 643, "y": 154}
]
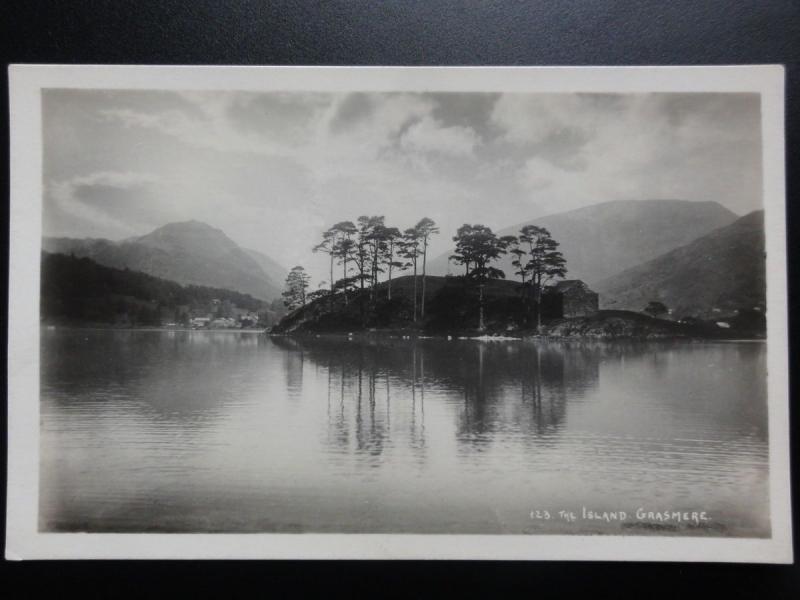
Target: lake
[{"x": 192, "y": 431}]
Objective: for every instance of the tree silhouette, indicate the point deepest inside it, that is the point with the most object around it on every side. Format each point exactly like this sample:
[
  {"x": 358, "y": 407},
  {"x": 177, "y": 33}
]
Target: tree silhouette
[
  {"x": 479, "y": 246},
  {"x": 343, "y": 250},
  {"x": 294, "y": 294},
  {"x": 462, "y": 251},
  {"x": 410, "y": 250},
  {"x": 520, "y": 261},
  {"x": 545, "y": 262},
  {"x": 376, "y": 238},
  {"x": 393, "y": 239},
  {"x": 425, "y": 228},
  {"x": 328, "y": 246},
  {"x": 655, "y": 309}
]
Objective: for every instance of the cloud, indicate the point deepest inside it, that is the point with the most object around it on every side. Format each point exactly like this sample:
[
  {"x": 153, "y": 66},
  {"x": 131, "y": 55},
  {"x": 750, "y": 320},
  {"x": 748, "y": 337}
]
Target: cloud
[
  {"x": 350, "y": 110},
  {"x": 274, "y": 169},
  {"x": 428, "y": 135},
  {"x": 322, "y": 134},
  {"x": 532, "y": 119},
  {"x": 581, "y": 149},
  {"x": 379, "y": 125},
  {"x": 537, "y": 174},
  {"x": 117, "y": 179},
  {"x": 90, "y": 197},
  {"x": 69, "y": 191},
  {"x": 212, "y": 132},
  {"x": 227, "y": 122}
]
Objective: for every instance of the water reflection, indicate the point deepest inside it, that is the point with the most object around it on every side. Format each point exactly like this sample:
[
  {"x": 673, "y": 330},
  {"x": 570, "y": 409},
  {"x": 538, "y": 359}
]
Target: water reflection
[
  {"x": 197, "y": 431},
  {"x": 503, "y": 387},
  {"x": 167, "y": 373}
]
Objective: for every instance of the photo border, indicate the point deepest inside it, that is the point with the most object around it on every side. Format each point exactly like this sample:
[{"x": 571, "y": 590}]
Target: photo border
[{"x": 24, "y": 541}]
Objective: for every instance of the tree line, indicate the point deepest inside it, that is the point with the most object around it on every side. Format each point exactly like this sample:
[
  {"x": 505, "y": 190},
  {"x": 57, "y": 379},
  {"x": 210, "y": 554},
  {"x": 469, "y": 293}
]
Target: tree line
[
  {"x": 537, "y": 259},
  {"x": 80, "y": 289},
  {"x": 368, "y": 249}
]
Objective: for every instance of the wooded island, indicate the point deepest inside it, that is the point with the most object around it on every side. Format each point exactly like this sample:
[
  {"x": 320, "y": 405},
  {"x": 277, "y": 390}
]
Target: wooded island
[{"x": 368, "y": 295}]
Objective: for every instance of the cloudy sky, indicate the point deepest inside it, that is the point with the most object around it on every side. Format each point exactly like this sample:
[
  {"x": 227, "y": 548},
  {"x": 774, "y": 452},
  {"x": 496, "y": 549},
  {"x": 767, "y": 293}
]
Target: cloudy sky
[{"x": 273, "y": 170}]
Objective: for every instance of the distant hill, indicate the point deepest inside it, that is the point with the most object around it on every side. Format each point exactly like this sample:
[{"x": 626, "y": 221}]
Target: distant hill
[
  {"x": 601, "y": 240},
  {"x": 79, "y": 290},
  {"x": 188, "y": 252},
  {"x": 723, "y": 270},
  {"x": 275, "y": 272}
]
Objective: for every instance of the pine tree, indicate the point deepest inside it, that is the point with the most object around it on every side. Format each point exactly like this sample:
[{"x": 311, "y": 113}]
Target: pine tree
[
  {"x": 294, "y": 294},
  {"x": 478, "y": 246},
  {"x": 545, "y": 262},
  {"x": 425, "y": 229},
  {"x": 411, "y": 250}
]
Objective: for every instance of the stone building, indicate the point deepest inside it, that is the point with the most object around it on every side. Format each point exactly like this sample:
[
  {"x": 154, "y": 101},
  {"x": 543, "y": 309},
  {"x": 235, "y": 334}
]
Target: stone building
[{"x": 571, "y": 298}]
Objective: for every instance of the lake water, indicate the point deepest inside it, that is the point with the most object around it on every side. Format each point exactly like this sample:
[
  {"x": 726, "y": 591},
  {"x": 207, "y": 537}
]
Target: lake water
[{"x": 241, "y": 432}]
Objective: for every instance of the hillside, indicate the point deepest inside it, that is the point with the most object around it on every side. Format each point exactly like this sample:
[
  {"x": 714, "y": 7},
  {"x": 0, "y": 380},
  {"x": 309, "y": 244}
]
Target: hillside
[
  {"x": 189, "y": 252},
  {"x": 723, "y": 270},
  {"x": 450, "y": 306},
  {"x": 601, "y": 240},
  {"x": 452, "y": 309},
  {"x": 274, "y": 272},
  {"x": 79, "y": 290}
]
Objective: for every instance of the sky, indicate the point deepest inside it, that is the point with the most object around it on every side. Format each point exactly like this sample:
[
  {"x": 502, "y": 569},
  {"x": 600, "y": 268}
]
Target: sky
[{"x": 273, "y": 170}]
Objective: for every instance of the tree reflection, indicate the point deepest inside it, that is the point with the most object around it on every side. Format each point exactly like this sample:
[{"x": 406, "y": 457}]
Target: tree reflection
[
  {"x": 371, "y": 431},
  {"x": 515, "y": 387},
  {"x": 522, "y": 387},
  {"x": 293, "y": 360},
  {"x": 417, "y": 421}
]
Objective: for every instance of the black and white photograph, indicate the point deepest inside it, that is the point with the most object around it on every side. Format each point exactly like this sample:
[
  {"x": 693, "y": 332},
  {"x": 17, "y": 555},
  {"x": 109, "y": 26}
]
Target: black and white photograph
[{"x": 518, "y": 313}]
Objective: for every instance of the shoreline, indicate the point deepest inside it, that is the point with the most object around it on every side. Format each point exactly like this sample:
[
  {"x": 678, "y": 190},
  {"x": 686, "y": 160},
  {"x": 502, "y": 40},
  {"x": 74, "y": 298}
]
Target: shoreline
[
  {"x": 400, "y": 334},
  {"x": 461, "y": 337},
  {"x": 100, "y": 327}
]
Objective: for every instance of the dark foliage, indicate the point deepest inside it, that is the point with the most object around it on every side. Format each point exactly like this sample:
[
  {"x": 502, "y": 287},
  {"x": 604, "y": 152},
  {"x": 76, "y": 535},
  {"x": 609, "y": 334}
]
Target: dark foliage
[
  {"x": 452, "y": 308},
  {"x": 79, "y": 289},
  {"x": 750, "y": 323}
]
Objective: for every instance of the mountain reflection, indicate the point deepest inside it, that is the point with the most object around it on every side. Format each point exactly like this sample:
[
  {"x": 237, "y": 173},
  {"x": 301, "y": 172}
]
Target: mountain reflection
[{"x": 488, "y": 388}]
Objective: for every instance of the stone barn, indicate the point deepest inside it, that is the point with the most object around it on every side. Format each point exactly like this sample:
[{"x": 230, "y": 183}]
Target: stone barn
[{"x": 572, "y": 298}]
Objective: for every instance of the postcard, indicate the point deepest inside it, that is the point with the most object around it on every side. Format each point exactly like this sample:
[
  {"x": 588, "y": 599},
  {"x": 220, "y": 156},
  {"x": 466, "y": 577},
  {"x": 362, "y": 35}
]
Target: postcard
[{"x": 409, "y": 313}]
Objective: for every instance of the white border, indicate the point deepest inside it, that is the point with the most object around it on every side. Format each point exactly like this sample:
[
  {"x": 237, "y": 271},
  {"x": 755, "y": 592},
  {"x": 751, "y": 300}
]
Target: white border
[{"x": 23, "y": 541}]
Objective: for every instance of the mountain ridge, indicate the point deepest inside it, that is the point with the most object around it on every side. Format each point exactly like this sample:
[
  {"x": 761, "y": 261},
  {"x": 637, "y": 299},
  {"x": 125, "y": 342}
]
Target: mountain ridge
[
  {"x": 603, "y": 239},
  {"x": 721, "y": 272},
  {"x": 188, "y": 252}
]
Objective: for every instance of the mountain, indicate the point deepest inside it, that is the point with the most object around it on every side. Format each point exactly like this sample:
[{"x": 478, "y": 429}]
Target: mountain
[
  {"x": 275, "y": 272},
  {"x": 723, "y": 270},
  {"x": 601, "y": 240},
  {"x": 189, "y": 252}
]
